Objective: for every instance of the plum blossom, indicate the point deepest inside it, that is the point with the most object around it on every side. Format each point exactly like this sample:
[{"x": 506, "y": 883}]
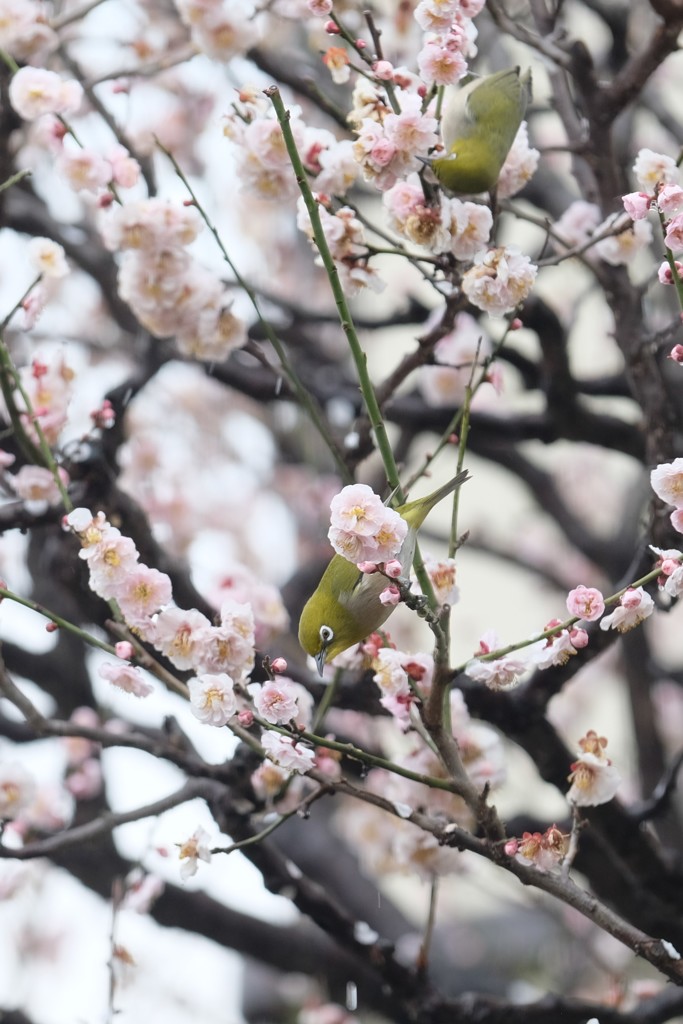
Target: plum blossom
[
  {"x": 666, "y": 481},
  {"x": 520, "y": 165},
  {"x": 275, "y": 701},
  {"x": 193, "y": 850},
  {"x": 500, "y": 673},
  {"x": 212, "y": 698},
  {"x": 141, "y": 593},
  {"x": 336, "y": 59},
  {"x": 585, "y": 603},
  {"x": 48, "y": 257},
  {"x": 469, "y": 225},
  {"x": 455, "y": 355},
  {"x": 634, "y": 606},
  {"x": 220, "y": 30},
  {"x": 126, "y": 677},
  {"x": 594, "y": 779},
  {"x": 441, "y": 63},
  {"x": 37, "y": 487},
  {"x": 671, "y": 564},
  {"x": 177, "y": 633},
  {"x": 17, "y": 789},
  {"x": 499, "y": 280},
  {"x": 670, "y": 200},
  {"x": 652, "y": 168},
  {"x": 623, "y": 247},
  {"x": 578, "y": 222},
  {"x": 558, "y": 648},
  {"x": 36, "y": 91},
  {"x": 637, "y": 204},
  {"x": 293, "y": 757},
  {"x": 84, "y": 169},
  {"x": 362, "y": 528},
  {"x": 411, "y": 217},
  {"x": 442, "y": 576},
  {"x": 546, "y": 850}
]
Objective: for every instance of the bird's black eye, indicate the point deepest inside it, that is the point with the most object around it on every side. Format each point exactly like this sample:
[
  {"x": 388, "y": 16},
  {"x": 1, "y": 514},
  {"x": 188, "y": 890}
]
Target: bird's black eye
[{"x": 326, "y": 634}]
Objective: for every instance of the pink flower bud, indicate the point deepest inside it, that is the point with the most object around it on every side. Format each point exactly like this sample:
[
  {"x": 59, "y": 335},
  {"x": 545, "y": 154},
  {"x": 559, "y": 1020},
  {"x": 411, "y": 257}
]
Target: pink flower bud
[
  {"x": 367, "y": 567},
  {"x": 579, "y": 638},
  {"x": 637, "y": 204},
  {"x": 676, "y": 354},
  {"x": 390, "y": 595},
  {"x": 393, "y": 569},
  {"x": 669, "y": 566},
  {"x": 511, "y": 847},
  {"x": 278, "y": 665},
  {"x": 51, "y": 627},
  {"x": 515, "y": 324},
  {"x": 384, "y": 70},
  {"x": 124, "y": 649},
  {"x": 360, "y": 44},
  {"x": 331, "y": 28},
  {"x": 246, "y": 718}
]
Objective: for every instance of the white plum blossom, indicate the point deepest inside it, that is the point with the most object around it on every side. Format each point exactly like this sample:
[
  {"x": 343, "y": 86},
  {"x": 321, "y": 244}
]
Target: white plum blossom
[
  {"x": 212, "y": 698},
  {"x": 193, "y": 850},
  {"x": 36, "y": 91},
  {"x": 499, "y": 280},
  {"x": 17, "y": 789},
  {"x": 520, "y": 165},
  {"x": 275, "y": 701},
  {"x": 48, "y": 257},
  {"x": 666, "y": 481},
  {"x": 634, "y": 606},
  {"x": 652, "y": 168},
  {"x": 362, "y": 528},
  {"x": 594, "y": 779}
]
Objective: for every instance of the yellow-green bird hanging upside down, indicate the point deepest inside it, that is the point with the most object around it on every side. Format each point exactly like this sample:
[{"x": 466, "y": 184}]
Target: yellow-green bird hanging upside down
[
  {"x": 345, "y": 607},
  {"x": 479, "y": 124}
]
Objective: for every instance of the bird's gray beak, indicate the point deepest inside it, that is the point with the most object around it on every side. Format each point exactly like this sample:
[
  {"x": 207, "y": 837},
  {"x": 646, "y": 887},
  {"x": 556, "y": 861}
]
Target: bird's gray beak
[{"x": 320, "y": 659}]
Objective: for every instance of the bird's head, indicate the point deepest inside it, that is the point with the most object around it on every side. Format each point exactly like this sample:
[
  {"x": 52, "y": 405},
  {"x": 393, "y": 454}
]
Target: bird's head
[{"x": 326, "y": 629}]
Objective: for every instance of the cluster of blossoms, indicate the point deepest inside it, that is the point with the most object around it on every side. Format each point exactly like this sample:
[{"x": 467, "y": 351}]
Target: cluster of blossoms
[
  {"x": 390, "y": 145},
  {"x": 546, "y": 850},
  {"x": 24, "y": 31},
  {"x": 462, "y": 228},
  {"x": 263, "y": 164},
  {"x": 658, "y": 177},
  {"x": 37, "y": 91},
  {"x": 594, "y": 779},
  {"x": 456, "y": 356},
  {"x": 362, "y": 528},
  {"x": 387, "y": 842},
  {"x": 222, "y": 30},
  {"x": 345, "y": 236},
  {"x": 499, "y": 281},
  {"x": 169, "y": 291},
  {"x": 449, "y": 40}
]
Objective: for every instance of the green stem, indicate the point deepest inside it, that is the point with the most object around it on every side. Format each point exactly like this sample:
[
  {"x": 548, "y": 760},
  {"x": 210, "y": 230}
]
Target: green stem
[
  {"x": 19, "y": 176},
  {"x": 359, "y": 356},
  {"x": 303, "y": 394},
  {"x": 58, "y": 620}
]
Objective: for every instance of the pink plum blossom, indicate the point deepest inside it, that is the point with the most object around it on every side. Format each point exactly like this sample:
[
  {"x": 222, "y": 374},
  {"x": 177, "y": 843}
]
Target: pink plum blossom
[
  {"x": 141, "y": 593},
  {"x": 637, "y": 204},
  {"x": 275, "y": 701},
  {"x": 177, "y": 633},
  {"x": 390, "y": 596},
  {"x": 585, "y": 603},
  {"x": 126, "y": 677},
  {"x": 37, "y": 487},
  {"x": 293, "y": 757},
  {"x": 670, "y": 200},
  {"x": 674, "y": 234}
]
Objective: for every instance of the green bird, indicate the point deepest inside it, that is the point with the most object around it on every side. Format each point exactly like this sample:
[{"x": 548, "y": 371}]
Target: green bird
[
  {"x": 345, "y": 607},
  {"x": 479, "y": 124}
]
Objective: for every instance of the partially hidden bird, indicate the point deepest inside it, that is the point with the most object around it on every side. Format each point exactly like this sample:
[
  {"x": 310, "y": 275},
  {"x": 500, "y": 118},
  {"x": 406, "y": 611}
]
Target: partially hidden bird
[
  {"x": 479, "y": 124},
  {"x": 345, "y": 607}
]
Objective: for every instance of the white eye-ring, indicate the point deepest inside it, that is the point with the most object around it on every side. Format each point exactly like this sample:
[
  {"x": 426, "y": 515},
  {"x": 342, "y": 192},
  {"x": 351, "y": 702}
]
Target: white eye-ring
[{"x": 326, "y": 634}]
